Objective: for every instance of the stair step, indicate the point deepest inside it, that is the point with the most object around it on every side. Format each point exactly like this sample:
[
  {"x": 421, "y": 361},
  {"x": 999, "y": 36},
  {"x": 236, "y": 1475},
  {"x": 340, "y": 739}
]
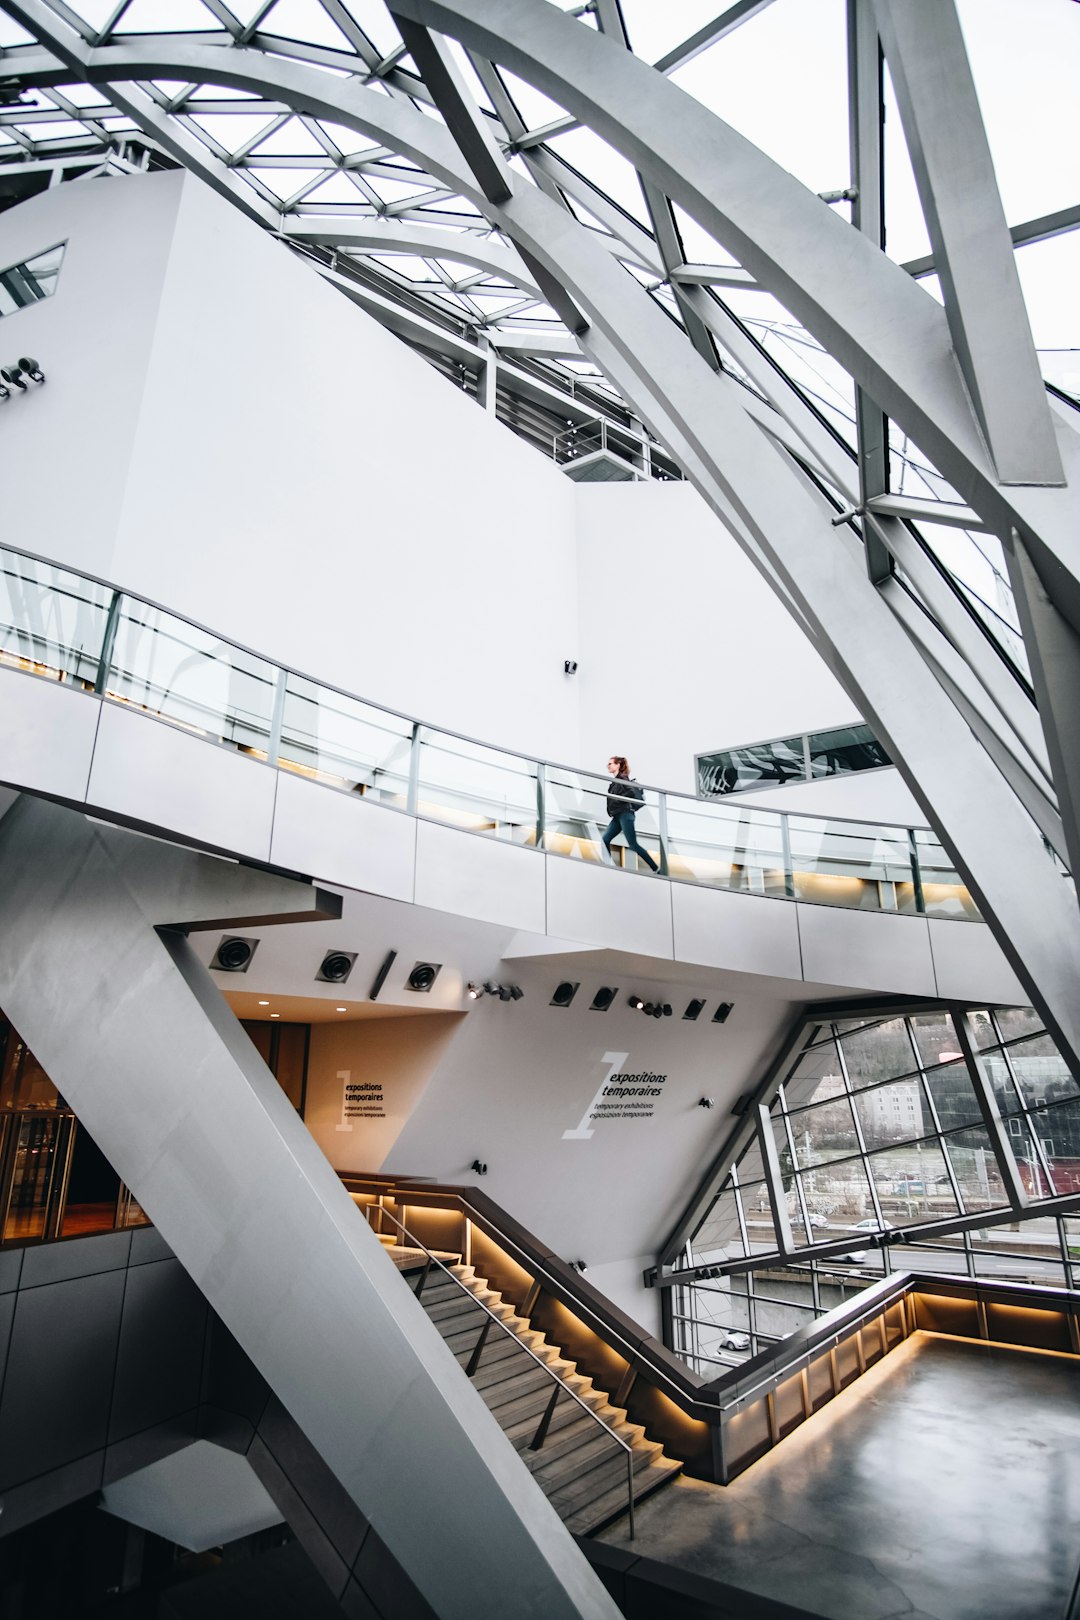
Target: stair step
[
  {"x": 556, "y": 1472},
  {"x": 605, "y": 1509}
]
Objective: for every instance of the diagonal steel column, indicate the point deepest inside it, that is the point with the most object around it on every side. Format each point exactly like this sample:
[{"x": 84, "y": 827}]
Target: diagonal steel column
[
  {"x": 127, "y": 1022},
  {"x": 973, "y": 251}
]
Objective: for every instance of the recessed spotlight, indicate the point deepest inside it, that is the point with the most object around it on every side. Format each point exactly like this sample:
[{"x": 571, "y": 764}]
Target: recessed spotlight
[
  {"x": 423, "y": 976},
  {"x": 336, "y": 967},
  {"x": 234, "y": 954},
  {"x": 264, "y": 1004},
  {"x": 341, "y": 1009},
  {"x": 275, "y": 1015}
]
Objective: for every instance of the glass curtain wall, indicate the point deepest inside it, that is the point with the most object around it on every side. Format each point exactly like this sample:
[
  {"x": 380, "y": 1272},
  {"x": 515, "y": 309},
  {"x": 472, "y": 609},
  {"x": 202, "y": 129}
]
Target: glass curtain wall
[{"x": 929, "y": 1140}]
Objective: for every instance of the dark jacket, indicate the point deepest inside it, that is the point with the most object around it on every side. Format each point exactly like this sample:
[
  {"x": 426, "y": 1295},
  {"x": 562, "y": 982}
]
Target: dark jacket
[{"x": 624, "y": 794}]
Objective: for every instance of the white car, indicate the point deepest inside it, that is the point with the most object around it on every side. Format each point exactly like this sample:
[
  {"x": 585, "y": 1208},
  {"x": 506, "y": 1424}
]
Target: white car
[{"x": 733, "y": 1340}]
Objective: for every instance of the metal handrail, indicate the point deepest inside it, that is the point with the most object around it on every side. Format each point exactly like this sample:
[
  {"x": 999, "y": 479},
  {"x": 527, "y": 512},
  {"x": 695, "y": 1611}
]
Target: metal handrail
[{"x": 561, "y": 1386}]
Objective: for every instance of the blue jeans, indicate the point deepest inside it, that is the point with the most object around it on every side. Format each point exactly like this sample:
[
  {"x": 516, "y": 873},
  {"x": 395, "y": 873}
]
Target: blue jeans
[{"x": 624, "y": 823}]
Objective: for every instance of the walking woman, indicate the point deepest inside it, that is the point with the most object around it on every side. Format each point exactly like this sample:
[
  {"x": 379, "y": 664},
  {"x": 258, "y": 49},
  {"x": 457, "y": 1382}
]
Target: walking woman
[{"x": 624, "y": 800}]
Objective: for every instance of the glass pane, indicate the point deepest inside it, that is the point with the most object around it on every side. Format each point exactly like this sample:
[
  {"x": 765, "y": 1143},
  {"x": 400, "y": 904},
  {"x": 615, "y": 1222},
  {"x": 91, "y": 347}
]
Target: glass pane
[
  {"x": 894, "y": 1113},
  {"x": 478, "y": 788},
  {"x": 30, "y": 281},
  {"x": 826, "y": 1131},
  {"x": 954, "y": 1095},
  {"x": 815, "y": 1077},
  {"x": 1041, "y": 1073},
  {"x": 192, "y": 678},
  {"x": 1015, "y": 1022},
  {"x": 719, "y": 1236},
  {"x": 761, "y": 765},
  {"x": 848, "y": 748},
  {"x": 880, "y": 1052},
  {"x": 24, "y": 1085},
  {"x": 935, "y": 1038},
  {"x": 757, "y": 1211},
  {"x": 1058, "y": 1129},
  {"x": 913, "y": 1184},
  {"x": 92, "y": 1190},
  {"x": 944, "y": 893},
  {"x": 983, "y": 1032},
  {"x": 838, "y": 1197},
  {"x": 846, "y": 863},
  {"x": 726, "y": 848},
  {"x": 575, "y": 813},
  {"x": 35, "y": 1152},
  {"x": 996, "y": 1070},
  {"x": 51, "y": 622},
  {"x": 345, "y": 743},
  {"x": 975, "y": 1169}
]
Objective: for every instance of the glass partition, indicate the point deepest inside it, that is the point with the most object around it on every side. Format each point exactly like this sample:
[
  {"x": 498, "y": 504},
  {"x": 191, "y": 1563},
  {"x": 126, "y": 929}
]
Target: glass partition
[
  {"x": 52, "y": 622},
  {"x": 59, "y": 624},
  {"x": 475, "y": 787},
  {"x": 726, "y": 848},
  {"x": 186, "y": 675},
  {"x": 345, "y": 743},
  {"x": 849, "y": 863}
]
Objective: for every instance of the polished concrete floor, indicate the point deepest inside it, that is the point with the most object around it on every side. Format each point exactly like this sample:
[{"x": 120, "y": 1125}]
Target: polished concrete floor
[{"x": 944, "y": 1485}]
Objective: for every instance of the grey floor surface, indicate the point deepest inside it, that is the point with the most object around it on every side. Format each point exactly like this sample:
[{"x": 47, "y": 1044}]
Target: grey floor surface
[{"x": 944, "y": 1485}]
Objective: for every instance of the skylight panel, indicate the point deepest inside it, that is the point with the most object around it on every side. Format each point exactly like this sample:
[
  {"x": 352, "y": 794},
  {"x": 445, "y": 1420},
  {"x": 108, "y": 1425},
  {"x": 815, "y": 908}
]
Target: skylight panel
[
  {"x": 338, "y": 188},
  {"x": 781, "y": 80},
  {"x": 348, "y": 141},
  {"x": 306, "y": 21},
  {"x": 82, "y": 95},
  {"x": 12, "y": 35},
  {"x": 655, "y": 30},
  {"x": 372, "y": 17},
  {"x": 292, "y": 139},
  {"x": 1050, "y": 275},
  {"x": 283, "y": 183},
  {"x": 231, "y": 131},
  {"x": 906, "y": 236},
  {"x": 605, "y": 168},
  {"x": 62, "y": 129},
  {"x": 157, "y": 16},
  {"x": 1026, "y": 69},
  {"x": 535, "y": 108}
]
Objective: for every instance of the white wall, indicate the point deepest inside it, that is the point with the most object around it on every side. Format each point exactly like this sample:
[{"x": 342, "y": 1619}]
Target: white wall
[
  {"x": 283, "y": 469},
  {"x": 684, "y": 648},
  {"x": 519, "y": 1075}
]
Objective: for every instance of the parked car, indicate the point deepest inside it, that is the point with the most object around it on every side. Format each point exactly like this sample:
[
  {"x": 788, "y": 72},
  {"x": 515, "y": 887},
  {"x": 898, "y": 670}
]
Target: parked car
[
  {"x": 817, "y": 1221},
  {"x": 732, "y": 1340}
]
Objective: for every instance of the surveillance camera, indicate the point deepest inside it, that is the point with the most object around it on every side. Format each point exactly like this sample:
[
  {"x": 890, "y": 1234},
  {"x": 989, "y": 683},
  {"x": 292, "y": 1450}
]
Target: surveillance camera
[{"x": 570, "y": 666}]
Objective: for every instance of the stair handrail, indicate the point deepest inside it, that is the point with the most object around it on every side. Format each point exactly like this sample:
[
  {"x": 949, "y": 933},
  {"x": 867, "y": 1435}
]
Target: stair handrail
[{"x": 561, "y": 1386}]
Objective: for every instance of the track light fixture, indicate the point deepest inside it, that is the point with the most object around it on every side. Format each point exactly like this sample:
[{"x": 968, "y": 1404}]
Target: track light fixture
[
  {"x": 569, "y": 666},
  {"x": 479, "y": 1167},
  {"x": 720, "y": 1016},
  {"x": 603, "y": 998},
  {"x": 32, "y": 369},
  {"x": 564, "y": 994},
  {"x": 636, "y": 1002},
  {"x": 423, "y": 976},
  {"x": 578, "y": 1265},
  {"x": 694, "y": 1009},
  {"x": 336, "y": 967},
  {"x": 233, "y": 954},
  {"x": 505, "y": 992},
  {"x": 706, "y": 1102},
  {"x": 473, "y": 991}
]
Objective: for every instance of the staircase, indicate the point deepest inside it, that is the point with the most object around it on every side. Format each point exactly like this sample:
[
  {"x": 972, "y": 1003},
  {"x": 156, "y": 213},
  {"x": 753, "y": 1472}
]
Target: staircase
[{"x": 577, "y": 1465}]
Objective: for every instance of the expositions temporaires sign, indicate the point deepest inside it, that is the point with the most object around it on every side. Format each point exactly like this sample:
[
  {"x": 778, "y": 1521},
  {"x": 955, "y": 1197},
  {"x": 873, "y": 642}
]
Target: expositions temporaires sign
[{"x": 620, "y": 1096}]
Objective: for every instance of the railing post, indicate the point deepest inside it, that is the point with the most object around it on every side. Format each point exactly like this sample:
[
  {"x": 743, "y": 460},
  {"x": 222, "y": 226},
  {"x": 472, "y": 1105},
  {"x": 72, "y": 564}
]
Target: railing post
[
  {"x": 108, "y": 641},
  {"x": 662, "y": 828},
  {"x": 277, "y": 718},
  {"x": 474, "y": 1359},
  {"x": 541, "y": 802},
  {"x": 916, "y": 873},
  {"x": 630, "y": 1490},
  {"x": 545, "y": 1422},
  {"x": 412, "y": 792},
  {"x": 789, "y": 874},
  {"x": 423, "y": 1278}
]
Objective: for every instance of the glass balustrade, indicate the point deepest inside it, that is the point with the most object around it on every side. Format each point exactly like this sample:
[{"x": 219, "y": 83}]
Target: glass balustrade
[
  {"x": 187, "y": 675},
  {"x": 61, "y": 625}
]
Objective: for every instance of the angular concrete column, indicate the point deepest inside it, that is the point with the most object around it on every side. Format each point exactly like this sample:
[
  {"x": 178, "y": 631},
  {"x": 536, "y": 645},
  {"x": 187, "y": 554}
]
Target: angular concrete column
[{"x": 97, "y": 976}]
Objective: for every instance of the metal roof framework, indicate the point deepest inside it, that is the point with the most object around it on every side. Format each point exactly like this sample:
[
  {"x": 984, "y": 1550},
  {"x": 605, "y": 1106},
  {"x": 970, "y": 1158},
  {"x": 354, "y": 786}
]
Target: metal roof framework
[{"x": 892, "y": 462}]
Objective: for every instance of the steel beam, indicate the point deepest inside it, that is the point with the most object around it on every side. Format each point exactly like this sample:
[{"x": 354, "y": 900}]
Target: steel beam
[
  {"x": 1029, "y": 230},
  {"x": 427, "y": 241},
  {"x": 973, "y": 251},
  {"x": 866, "y": 117},
  {"x": 865, "y": 310}
]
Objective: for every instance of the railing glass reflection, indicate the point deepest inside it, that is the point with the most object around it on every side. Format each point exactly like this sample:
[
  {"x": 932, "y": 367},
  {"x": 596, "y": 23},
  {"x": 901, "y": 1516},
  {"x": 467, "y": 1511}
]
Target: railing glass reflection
[{"x": 59, "y": 624}]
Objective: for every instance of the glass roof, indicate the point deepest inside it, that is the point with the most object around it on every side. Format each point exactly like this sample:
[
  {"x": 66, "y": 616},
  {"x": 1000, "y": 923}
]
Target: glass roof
[{"x": 777, "y": 72}]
